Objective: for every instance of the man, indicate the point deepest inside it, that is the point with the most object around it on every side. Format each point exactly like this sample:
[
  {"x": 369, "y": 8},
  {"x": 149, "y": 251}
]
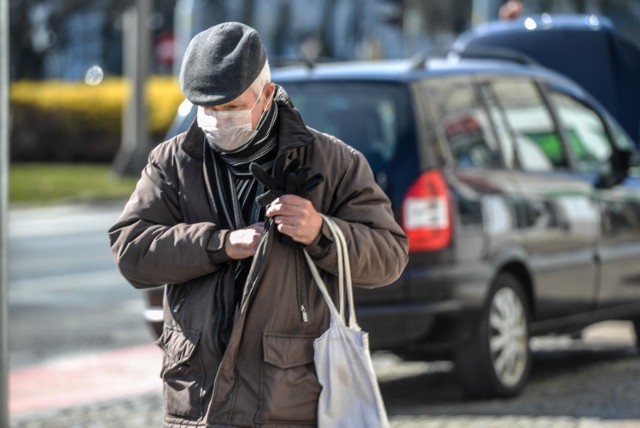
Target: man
[
  {"x": 510, "y": 10},
  {"x": 220, "y": 215}
]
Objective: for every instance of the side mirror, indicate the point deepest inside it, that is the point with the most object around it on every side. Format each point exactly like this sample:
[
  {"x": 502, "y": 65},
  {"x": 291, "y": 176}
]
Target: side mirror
[
  {"x": 621, "y": 161},
  {"x": 634, "y": 164}
]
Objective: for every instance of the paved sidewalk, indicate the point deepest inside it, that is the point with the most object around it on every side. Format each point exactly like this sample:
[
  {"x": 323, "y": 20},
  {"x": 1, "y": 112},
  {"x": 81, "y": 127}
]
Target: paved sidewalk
[
  {"x": 144, "y": 411},
  {"x": 121, "y": 389},
  {"x": 81, "y": 380}
]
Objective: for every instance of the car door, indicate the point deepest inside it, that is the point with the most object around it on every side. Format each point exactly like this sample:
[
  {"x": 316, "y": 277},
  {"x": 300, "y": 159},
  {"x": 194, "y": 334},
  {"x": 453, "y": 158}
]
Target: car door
[
  {"x": 457, "y": 131},
  {"x": 561, "y": 211},
  {"x": 592, "y": 140}
]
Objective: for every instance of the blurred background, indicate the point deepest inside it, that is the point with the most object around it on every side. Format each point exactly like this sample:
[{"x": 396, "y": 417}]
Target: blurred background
[
  {"x": 63, "y": 39},
  {"x": 73, "y": 63},
  {"x": 93, "y": 87}
]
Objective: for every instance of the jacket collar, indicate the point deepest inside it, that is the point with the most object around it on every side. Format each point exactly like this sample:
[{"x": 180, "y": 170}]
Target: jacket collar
[{"x": 293, "y": 132}]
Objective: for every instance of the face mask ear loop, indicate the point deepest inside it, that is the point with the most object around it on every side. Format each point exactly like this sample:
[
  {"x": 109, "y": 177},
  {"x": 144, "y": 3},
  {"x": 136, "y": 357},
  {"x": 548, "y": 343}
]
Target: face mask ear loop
[
  {"x": 257, "y": 99},
  {"x": 273, "y": 95},
  {"x": 263, "y": 114}
]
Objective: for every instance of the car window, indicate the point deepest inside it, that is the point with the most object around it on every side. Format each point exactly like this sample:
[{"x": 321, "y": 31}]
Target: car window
[
  {"x": 502, "y": 130},
  {"x": 586, "y": 133},
  {"x": 538, "y": 144},
  {"x": 462, "y": 123},
  {"x": 376, "y": 118},
  {"x": 366, "y": 116}
]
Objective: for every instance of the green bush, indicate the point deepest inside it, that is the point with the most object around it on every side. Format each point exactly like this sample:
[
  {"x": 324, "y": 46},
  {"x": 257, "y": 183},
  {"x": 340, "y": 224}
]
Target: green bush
[
  {"x": 40, "y": 184},
  {"x": 74, "y": 122}
]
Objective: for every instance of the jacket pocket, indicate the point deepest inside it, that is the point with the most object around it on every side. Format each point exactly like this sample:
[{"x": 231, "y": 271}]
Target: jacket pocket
[
  {"x": 289, "y": 387},
  {"x": 182, "y": 372}
]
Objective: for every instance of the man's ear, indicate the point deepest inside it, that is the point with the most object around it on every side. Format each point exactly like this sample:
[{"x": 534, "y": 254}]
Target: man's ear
[{"x": 270, "y": 90}]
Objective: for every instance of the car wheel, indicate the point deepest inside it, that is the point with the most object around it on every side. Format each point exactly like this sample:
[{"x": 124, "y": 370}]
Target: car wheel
[{"x": 496, "y": 362}]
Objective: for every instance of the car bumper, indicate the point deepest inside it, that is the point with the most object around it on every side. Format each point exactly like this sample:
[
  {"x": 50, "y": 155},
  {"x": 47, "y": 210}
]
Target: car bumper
[{"x": 436, "y": 307}]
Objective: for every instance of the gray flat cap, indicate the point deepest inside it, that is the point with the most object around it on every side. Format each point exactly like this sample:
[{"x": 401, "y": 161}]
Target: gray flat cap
[{"x": 221, "y": 63}]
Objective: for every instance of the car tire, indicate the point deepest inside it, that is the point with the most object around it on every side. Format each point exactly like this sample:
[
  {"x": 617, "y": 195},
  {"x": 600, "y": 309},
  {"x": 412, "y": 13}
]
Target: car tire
[{"x": 496, "y": 361}]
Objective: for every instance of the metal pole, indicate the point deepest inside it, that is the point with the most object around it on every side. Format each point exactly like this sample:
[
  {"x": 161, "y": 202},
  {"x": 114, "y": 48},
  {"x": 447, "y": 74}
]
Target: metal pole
[
  {"x": 4, "y": 202},
  {"x": 136, "y": 143},
  {"x": 484, "y": 11}
]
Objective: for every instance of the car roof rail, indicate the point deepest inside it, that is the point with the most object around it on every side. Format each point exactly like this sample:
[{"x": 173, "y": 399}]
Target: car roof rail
[
  {"x": 492, "y": 53},
  {"x": 418, "y": 61}
]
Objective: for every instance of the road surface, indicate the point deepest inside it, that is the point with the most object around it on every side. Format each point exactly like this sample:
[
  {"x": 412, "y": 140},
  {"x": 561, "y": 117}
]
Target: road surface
[{"x": 66, "y": 297}]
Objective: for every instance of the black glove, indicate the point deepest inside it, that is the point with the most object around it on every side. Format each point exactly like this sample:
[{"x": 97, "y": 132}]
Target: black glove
[{"x": 289, "y": 180}]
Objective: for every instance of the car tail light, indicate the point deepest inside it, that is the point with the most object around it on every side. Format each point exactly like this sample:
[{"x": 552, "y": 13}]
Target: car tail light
[{"x": 426, "y": 213}]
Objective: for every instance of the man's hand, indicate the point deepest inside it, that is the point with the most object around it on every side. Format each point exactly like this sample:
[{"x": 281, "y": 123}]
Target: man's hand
[
  {"x": 242, "y": 243},
  {"x": 296, "y": 217}
]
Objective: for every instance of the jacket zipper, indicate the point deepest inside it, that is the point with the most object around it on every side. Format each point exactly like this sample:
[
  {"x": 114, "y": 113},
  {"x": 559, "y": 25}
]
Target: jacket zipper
[
  {"x": 183, "y": 297},
  {"x": 254, "y": 277},
  {"x": 299, "y": 261},
  {"x": 301, "y": 289}
]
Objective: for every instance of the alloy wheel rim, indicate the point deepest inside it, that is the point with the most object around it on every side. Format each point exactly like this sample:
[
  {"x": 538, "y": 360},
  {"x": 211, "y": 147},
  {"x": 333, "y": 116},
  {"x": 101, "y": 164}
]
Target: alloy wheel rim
[{"x": 508, "y": 337}]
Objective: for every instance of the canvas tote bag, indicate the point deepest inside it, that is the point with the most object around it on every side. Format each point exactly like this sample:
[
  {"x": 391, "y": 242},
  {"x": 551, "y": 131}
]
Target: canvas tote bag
[{"x": 350, "y": 395}]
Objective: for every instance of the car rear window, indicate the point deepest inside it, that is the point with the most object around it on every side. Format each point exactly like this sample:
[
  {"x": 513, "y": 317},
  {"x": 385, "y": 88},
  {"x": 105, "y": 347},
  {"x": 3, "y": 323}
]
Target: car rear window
[
  {"x": 373, "y": 117},
  {"x": 369, "y": 117}
]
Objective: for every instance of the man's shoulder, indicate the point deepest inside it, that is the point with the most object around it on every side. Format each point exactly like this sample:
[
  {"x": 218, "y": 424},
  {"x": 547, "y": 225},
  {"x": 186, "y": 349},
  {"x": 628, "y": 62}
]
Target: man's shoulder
[
  {"x": 171, "y": 151},
  {"x": 164, "y": 150},
  {"x": 332, "y": 145},
  {"x": 331, "y": 152}
]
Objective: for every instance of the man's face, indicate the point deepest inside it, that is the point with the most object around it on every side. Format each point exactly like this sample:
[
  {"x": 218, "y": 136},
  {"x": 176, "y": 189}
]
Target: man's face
[{"x": 247, "y": 101}]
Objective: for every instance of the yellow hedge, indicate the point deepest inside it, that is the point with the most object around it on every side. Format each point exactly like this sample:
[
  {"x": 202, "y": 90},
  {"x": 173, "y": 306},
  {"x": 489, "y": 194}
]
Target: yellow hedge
[
  {"x": 104, "y": 102},
  {"x": 73, "y": 113}
]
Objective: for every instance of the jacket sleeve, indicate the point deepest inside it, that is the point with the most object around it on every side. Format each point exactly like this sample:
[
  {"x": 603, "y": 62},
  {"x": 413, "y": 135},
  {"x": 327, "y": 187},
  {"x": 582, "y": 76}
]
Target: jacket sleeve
[
  {"x": 378, "y": 247},
  {"x": 152, "y": 246}
]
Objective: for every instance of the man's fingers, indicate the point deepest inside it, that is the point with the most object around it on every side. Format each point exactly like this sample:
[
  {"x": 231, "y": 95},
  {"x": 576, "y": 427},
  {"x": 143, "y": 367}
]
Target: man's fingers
[
  {"x": 286, "y": 205},
  {"x": 243, "y": 243},
  {"x": 290, "y": 230},
  {"x": 291, "y": 221},
  {"x": 295, "y": 217}
]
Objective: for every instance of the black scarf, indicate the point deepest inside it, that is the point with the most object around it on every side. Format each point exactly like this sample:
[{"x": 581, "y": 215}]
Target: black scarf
[{"x": 232, "y": 190}]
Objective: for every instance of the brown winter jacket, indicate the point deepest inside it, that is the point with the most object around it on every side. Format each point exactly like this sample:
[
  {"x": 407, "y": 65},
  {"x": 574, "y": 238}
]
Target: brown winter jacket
[{"x": 167, "y": 234}]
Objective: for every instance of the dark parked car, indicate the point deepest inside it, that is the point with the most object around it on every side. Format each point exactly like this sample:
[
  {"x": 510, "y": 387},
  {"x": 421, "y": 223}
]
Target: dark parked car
[
  {"x": 508, "y": 180},
  {"x": 585, "y": 48}
]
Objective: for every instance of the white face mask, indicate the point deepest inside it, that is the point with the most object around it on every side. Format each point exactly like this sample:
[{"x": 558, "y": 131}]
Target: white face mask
[{"x": 228, "y": 130}]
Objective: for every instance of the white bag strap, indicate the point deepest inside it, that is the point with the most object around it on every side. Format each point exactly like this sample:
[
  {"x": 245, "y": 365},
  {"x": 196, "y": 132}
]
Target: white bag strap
[
  {"x": 344, "y": 277},
  {"x": 337, "y": 232},
  {"x": 340, "y": 257}
]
